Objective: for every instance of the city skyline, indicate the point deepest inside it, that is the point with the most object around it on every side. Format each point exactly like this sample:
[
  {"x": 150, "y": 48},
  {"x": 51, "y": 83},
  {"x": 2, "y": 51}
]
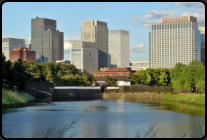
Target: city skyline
[{"x": 135, "y": 17}]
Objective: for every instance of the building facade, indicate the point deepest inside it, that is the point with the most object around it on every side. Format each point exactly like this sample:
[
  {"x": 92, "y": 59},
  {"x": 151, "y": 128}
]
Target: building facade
[
  {"x": 201, "y": 27},
  {"x": 22, "y": 53},
  {"x": 140, "y": 65},
  {"x": 46, "y": 40},
  {"x": 96, "y": 32},
  {"x": 176, "y": 39},
  {"x": 118, "y": 48},
  {"x": 84, "y": 55},
  {"x": 113, "y": 72},
  {"x": 10, "y": 44}
]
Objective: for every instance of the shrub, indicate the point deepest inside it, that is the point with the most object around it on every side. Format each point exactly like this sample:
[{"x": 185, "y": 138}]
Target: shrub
[{"x": 158, "y": 92}]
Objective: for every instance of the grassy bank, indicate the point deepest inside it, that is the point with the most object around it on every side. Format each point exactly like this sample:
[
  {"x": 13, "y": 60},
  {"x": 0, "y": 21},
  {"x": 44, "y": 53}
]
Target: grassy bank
[
  {"x": 15, "y": 99},
  {"x": 188, "y": 98}
]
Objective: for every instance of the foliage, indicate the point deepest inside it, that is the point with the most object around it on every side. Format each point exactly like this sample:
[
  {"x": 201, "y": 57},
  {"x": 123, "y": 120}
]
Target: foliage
[
  {"x": 185, "y": 78},
  {"x": 110, "y": 80},
  {"x": 16, "y": 74}
]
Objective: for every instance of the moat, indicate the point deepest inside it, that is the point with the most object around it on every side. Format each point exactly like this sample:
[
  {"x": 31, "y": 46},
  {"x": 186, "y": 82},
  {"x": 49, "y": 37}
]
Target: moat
[{"x": 117, "y": 118}]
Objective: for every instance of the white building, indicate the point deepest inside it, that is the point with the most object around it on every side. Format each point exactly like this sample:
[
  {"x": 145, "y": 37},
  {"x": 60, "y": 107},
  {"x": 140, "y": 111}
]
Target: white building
[
  {"x": 176, "y": 39},
  {"x": 84, "y": 55},
  {"x": 118, "y": 48},
  {"x": 140, "y": 65},
  {"x": 9, "y": 43},
  {"x": 120, "y": 80},
  {"x": 67, "y": 62}
]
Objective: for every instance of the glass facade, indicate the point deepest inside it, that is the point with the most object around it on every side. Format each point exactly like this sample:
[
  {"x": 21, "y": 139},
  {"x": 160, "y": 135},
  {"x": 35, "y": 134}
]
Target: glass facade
[
  {"x": 96, "y": 32},
  {"x": 11, "y": 44},
  {"x": 171, "y": 43},
  {"x": 77, "y": 58},
  {"x": 46, "y": 41}
]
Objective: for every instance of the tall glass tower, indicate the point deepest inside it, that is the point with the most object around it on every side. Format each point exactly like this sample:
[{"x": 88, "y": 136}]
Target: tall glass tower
[
  {"x": 96, "y": 32},
  {"x": 176, "y": 39},
  {"x": 46, "y": 40}
]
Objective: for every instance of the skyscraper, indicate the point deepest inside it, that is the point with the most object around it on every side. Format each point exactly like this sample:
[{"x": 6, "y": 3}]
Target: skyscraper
[
  {"x": 9, "y": 43},
  {"x": 96, "y": 32},
  {"x": 84, "y": 55},
  {"x": 201, "y": 27},
  {"x": 46, "y": 40},
  {"x": 176, "y": 39},
  {"x": 118, "y": 48}
]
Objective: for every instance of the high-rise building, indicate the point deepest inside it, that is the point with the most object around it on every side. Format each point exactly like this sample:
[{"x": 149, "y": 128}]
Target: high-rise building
[
  {"x": 46, "y": 40},
  {"x": 201, "y": 27},
  {"x": 84, "y": 55},
  {"x": 176, "y": 39},
  {"x": 118, "y": 48},
  {"x": 96, "y": 32},
  {"x": 9, "y": 43},
  {"x": 22, "y": 53}
]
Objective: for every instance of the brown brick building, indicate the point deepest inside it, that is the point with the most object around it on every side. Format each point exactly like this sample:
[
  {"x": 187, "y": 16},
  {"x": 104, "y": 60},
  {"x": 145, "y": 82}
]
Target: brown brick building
[
  {"x": 113, "y": 72},
  {"x": 22, "y": 53}
]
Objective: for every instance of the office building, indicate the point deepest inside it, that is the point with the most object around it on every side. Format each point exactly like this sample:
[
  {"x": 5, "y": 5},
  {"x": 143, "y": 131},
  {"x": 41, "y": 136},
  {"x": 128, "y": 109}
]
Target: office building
[
  {"x": 96, "y": 32},
  {"x": 46, "y": 40},
  {"x": 201, "y": 27},
  {"x": 9, "y": 43},
  {"x": 118, "y": 48},
  {"x": 84, "y": 55},
  {"x": 22, "y": 53},
  {"x": 113, "y": 72},
  {"x": 176, "y": 39}
]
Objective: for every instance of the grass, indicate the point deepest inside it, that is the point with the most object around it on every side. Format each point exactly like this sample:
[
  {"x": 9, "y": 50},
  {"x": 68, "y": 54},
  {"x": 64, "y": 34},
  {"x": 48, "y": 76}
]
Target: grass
[
  {"x": 189, "y": 98},
  {"x": 10, "y": 98}
]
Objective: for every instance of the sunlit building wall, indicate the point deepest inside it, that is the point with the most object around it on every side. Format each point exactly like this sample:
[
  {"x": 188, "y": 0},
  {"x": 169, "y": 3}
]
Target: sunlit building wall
[{"x": 176, "y": 39}]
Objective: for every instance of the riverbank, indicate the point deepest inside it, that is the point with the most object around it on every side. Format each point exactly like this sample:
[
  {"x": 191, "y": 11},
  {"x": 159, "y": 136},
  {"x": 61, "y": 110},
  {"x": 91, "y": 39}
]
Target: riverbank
[
  {"x": 15, "y": 99},
  {"x": 186, "y": 98},
  {"x": 198, "y": 99}
]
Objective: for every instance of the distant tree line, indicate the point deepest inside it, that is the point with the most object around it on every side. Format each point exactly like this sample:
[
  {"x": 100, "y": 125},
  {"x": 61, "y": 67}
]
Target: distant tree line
[
  {"x": 16, "y": 74},
  {"x": 181, "y": 78}
]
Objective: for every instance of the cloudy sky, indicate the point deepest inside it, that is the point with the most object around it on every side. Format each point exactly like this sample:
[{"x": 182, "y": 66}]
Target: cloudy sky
[{"x": 136, "y": 17}]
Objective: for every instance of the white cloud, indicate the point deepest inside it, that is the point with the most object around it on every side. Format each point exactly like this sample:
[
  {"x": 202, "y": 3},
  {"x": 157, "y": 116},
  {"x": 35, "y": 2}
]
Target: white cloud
[
  {"x": 137, "y": 18},
  {"x": 149, "y": 23},
  {"x": 200, "y": 17},
  {"x": 130, "y": 17},
  {"x": 198, "y": 5},
  {"x": 68, "y": 40},
  {"x": 157, "y": 14},
  {"x": 138, "y": 46}
]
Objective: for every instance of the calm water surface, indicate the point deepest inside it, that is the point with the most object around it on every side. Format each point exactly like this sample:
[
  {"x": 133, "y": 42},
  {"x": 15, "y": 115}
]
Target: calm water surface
[{"x": 105, "y": 118}]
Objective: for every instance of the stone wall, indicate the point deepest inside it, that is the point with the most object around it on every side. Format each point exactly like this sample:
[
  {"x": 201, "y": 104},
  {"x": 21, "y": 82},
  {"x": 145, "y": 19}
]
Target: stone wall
[
  {"x": 77, "y": 94},
  {"x": 39, "y": 89},
  {"x": 145, "y": 88},
  {"x": 132, "y": 95}
]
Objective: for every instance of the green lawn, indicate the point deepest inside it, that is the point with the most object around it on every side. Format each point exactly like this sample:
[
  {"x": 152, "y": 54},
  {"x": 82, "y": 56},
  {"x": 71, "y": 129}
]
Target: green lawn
[
  {"x": 190, "y": 98},
  {"x": 10, "y": 97}
]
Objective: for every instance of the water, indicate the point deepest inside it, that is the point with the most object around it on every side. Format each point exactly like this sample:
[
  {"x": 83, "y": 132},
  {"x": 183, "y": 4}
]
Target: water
[{"x": 117, "y": 118}]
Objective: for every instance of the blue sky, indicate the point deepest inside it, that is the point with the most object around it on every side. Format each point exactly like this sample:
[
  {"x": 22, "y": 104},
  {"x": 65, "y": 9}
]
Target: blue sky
[{"x": 136, "y": 17}]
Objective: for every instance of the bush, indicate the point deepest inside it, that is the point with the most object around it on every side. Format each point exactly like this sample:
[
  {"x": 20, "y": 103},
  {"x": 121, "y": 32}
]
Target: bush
[{"x": 158, "y": 92}]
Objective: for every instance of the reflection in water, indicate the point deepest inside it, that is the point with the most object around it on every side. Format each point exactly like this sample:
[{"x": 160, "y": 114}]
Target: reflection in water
[{"x": 106, "y": 118}]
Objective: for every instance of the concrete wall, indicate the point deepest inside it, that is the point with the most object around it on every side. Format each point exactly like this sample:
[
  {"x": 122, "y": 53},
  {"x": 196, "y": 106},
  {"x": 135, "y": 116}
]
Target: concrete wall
[{"x": 77, "y": 94}]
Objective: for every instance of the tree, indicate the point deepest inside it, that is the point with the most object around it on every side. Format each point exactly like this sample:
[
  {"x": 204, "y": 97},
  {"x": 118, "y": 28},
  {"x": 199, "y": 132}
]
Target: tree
[{"x": 110, "y": 80}]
